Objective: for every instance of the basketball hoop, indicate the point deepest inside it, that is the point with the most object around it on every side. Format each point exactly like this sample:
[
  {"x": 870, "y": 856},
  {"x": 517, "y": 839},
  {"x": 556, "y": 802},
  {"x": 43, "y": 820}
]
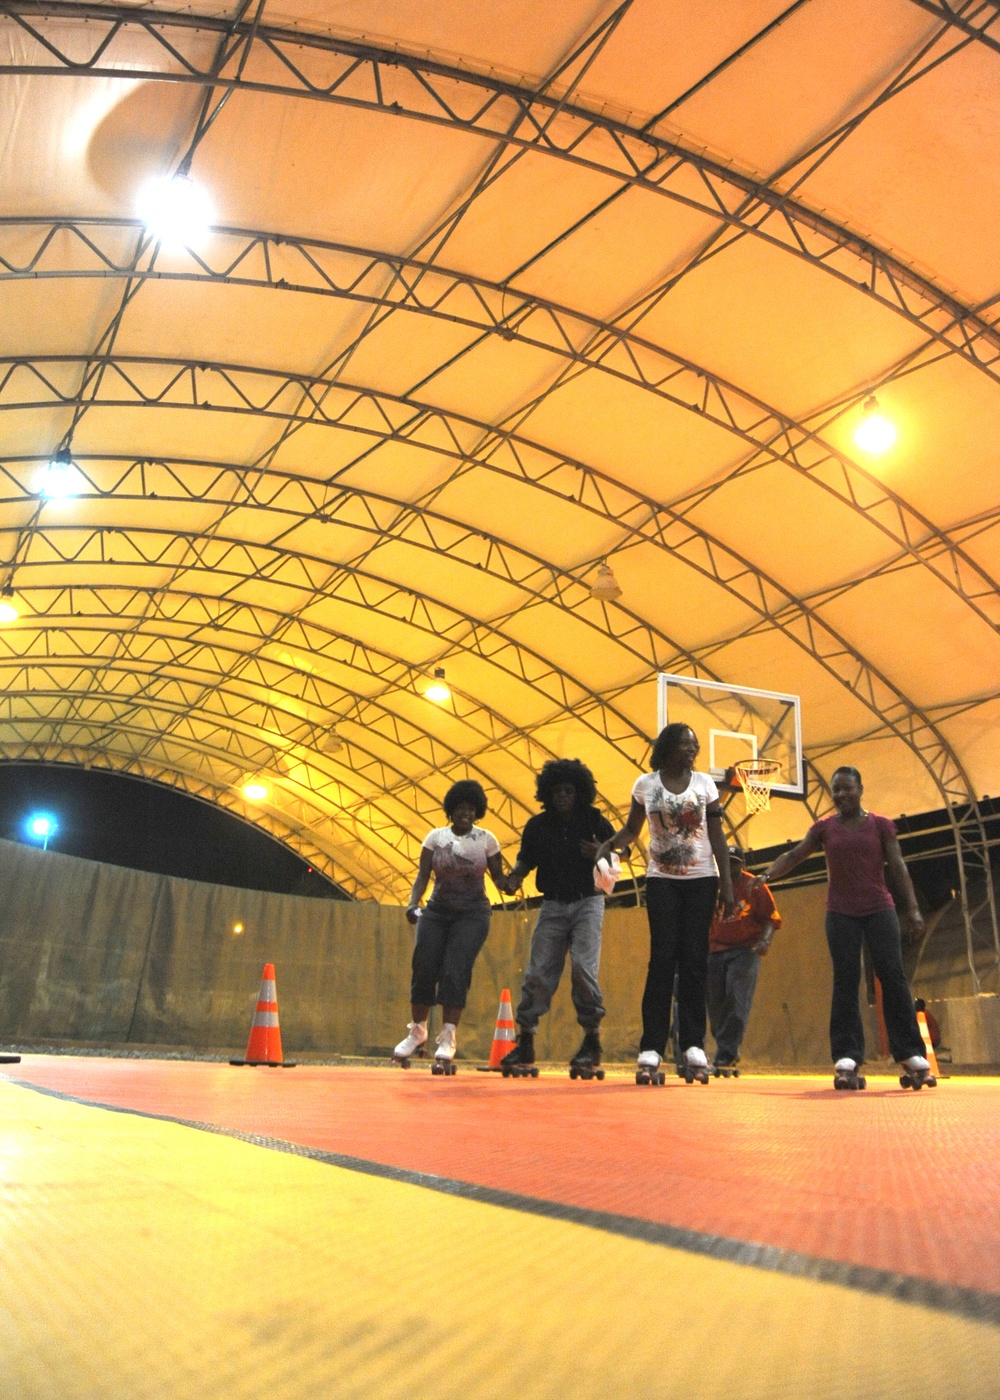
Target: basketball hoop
[{"x": 756, "y": 776}]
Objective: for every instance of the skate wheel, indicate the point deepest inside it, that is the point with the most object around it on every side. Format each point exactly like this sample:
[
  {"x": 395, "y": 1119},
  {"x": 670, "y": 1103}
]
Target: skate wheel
[
  {"x": 661, "y": 1079},
  {"x": 505, "y": 1071},
  {"x": 533, "y": 1071},
  {"x": 573, "y": 1072},
  {"x": 436, "y": 1068},
  {"x": 403, "y": 1064},
  {"x": 599, "y": 1074},
  {"x": 641, "y": 1078},
  {"x": 904, "y": 1080},
  {"x": 862, "y": 1082},
  {"x": 453, "y": 1069},
  {"x": 918, "y": 1084}
]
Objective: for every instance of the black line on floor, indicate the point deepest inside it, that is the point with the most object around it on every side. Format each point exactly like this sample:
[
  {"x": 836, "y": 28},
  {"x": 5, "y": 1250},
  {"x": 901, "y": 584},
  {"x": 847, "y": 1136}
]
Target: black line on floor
[{"x": 969, "y": 1303}]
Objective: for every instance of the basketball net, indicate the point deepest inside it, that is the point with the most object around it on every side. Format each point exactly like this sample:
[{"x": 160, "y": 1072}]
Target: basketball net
[{"x": 756, "y": 776}]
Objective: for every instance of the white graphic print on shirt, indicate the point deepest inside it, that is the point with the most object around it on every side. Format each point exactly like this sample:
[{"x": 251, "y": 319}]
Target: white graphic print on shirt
[{"x": 678, "y": 829}]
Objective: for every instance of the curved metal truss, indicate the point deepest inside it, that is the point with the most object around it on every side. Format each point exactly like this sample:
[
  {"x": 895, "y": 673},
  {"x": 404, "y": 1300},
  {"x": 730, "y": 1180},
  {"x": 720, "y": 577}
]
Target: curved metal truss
[
  {"x": 251, "y": 258},
  {"x": 422, "y": 527},
  {"x": 256, "y": 57},
  {"x": 971, "y": 19}
]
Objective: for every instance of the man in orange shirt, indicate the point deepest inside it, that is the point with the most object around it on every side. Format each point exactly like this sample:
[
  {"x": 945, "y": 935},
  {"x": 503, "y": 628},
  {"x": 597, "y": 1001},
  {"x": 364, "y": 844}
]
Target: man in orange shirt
[{"x": 735, "y": 948}]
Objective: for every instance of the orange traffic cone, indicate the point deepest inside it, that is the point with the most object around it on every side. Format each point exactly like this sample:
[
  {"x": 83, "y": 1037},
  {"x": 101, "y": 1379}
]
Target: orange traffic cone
[
  {"x": 505, "y": 1035},
  {"x": 264, "y": 1045}
]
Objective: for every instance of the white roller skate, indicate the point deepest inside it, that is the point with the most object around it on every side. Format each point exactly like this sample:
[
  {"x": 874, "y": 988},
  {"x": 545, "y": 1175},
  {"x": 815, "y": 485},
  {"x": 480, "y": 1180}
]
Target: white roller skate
[
  {"x": 917, "y": 1073},
  {"x": 846, "y": 1076},
  {"x": 413, "y": 1044},
  {"x": 695, "y": 1065},
  {"x": 444, "y": 1055},
  {"x": 647, "y": 1068}
]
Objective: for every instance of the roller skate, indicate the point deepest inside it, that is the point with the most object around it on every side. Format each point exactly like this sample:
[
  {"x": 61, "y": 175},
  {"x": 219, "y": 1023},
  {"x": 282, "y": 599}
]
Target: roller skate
[
  {"x": 519, "y": 1063},
  {"x": 846, "y": 1076},
  {"x": 647, "y": 1069},
  {"x": 917, "y": 1073},
  {"x": 723, "y": 1068},
  {"x": 412, "y": 1045},
  {"x": 695, "y": 1065},
  {"x": 585, "y": 1063},
  {"x": 444, "y": 1055}
]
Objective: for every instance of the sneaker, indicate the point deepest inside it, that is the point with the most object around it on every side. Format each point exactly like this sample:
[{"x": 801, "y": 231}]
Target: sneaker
[
  {"x": 846, "y": 1065},
  {"x": 917, "y": 1064},
  {"x": 696, "y": 1057},
  {"x": 446, "y": 1045},
  {"x": 648, "y": 1059},
  {"x": 413, "y": 1042},
  {"x": 523, "y": 1052}
]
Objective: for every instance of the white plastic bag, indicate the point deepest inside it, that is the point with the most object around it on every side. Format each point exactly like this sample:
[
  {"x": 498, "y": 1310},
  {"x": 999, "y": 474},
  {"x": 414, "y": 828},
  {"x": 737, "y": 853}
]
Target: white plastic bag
[{"x": 606, "y": 872}]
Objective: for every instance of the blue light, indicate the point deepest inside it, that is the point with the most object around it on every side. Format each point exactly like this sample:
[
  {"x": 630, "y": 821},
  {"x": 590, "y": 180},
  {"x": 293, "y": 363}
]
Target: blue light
[{"x": 42, "y": 826}]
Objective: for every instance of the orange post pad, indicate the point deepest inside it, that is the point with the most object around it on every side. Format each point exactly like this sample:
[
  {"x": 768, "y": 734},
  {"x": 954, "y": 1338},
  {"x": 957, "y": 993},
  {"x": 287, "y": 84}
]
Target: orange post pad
[
  {"x": 925, "y": 1036},
  {"x": 264, "y": 1045}
]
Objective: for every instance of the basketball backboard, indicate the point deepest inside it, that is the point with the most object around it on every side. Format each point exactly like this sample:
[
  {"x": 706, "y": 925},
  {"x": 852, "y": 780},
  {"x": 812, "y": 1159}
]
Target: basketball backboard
[{"x": 736, "y": 722}]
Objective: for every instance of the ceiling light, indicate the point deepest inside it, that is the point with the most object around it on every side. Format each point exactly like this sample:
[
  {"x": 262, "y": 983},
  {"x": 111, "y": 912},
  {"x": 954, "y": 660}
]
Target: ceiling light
[
  {"x": 255, "y": 792},
  {"x": 176, "y": 211},
  {"x": 437, "y": 690},
  {"x": 605, "y": 585},
  {"x": 331, "y": 742},
  {"x": 8, "y": 612},
  {"x": 61, "y": 477},
  {"x": 874, "y": 433}
]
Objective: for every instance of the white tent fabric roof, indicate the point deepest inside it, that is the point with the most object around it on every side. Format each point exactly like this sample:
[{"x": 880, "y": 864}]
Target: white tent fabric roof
[{"x": 496, "y": 293}]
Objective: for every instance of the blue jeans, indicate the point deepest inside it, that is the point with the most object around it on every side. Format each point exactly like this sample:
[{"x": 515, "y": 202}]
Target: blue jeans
[
  {"x": 564, "y": 928},
  {"x": 732, "y": 981},
  {"x": 447, "y": 945}
]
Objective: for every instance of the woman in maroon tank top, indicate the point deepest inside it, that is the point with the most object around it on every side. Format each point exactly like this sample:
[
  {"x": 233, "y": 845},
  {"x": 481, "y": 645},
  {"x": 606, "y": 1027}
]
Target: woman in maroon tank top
[{"x": 859, "y": 846}]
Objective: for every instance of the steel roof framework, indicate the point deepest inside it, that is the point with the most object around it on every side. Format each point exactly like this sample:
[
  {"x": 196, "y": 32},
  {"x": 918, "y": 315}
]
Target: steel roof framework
[{"x": 254, "y": 57}]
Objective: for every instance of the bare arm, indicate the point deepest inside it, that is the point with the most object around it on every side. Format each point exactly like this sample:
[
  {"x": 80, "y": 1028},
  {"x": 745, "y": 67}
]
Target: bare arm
[
  {"x": 717, "y": 838},
  {"x": 420, "y": 883},
  {"x": 627, "y": 835},
  {"x": 902, "y": 887},
  {"x": 786, "y": 863},
  {"x": 764, "y": 941},
  {"x": 494, "y": 864}
]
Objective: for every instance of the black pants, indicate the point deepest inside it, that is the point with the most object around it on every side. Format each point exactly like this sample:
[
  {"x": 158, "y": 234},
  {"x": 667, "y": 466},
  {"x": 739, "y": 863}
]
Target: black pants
[
  {"x": 881, "y": 932},
  {"x": 447, "y": 945},
  {"x": 680, "y": 915}
]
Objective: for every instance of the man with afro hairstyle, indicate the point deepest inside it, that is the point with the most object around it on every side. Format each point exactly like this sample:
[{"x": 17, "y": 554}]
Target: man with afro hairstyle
[{"x": 560, "y": 843}]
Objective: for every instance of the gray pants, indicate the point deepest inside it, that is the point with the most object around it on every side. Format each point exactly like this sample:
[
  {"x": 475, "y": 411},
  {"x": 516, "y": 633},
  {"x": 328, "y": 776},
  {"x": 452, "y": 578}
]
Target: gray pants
[
  {"x": 732, "y": 981},
  {"x": 574, "y": 928}
]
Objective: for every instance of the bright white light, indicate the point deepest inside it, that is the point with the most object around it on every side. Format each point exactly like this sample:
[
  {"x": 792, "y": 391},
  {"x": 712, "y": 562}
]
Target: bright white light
[
  {"x": 438, "y": 692},
  {"x": 176, "y": 211},
  {"x": 255, "y": 792},
  {"x": 874, "y": 433},
  {"x": 61, "y": 479},
  {"x": 8, "y": 612},
  {"x": 42, "y": 826}
]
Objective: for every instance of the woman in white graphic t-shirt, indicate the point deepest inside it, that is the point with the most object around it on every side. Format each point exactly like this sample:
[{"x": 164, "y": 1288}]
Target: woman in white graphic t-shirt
[
  {"x": 453, "y": 927},
  {"x": 687, "y": 873}
]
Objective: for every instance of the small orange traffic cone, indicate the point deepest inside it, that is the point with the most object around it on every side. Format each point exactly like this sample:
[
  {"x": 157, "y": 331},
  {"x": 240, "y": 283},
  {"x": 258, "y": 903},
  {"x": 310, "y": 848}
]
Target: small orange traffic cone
[
  {"x": 264, "y": 1045},
  {"x": 505, "y": 1035}
]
